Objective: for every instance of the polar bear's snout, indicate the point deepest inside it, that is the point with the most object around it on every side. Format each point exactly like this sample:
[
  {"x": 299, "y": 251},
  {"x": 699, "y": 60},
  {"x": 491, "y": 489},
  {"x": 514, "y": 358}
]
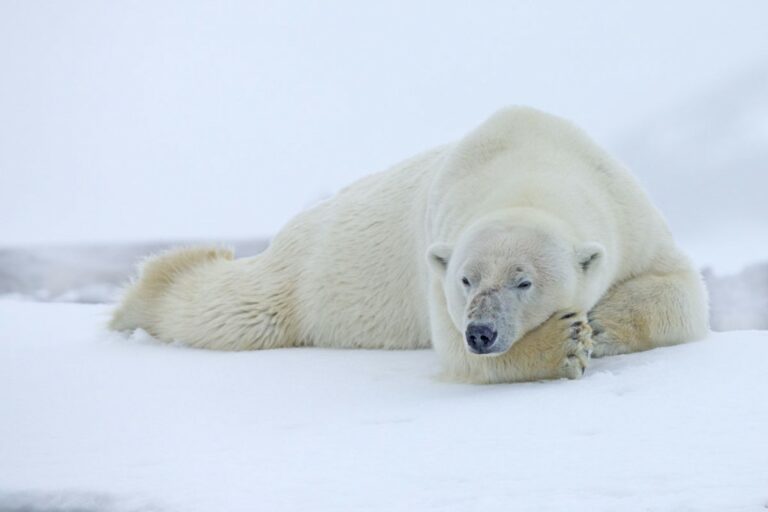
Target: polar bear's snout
[
  {"x": 481, "y": 337},
  {"x": 490, "y": 328}
]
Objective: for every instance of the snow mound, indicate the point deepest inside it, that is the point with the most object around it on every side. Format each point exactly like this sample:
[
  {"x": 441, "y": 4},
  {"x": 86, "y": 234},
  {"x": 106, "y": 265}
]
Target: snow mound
[
  {"x": 86, "y": 273},
  {"x": 738, "y": 301},
  {"x": 90, "y": 415}
]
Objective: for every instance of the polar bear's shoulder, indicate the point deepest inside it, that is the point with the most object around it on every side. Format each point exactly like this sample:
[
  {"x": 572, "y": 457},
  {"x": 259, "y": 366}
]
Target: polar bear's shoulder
[
  {"x": 522, "y": 129},
  {"x": 519, "y": 122}
]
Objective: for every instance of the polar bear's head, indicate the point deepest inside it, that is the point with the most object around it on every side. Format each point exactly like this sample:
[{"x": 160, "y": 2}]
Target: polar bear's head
[{"x": 501, "y": 281}]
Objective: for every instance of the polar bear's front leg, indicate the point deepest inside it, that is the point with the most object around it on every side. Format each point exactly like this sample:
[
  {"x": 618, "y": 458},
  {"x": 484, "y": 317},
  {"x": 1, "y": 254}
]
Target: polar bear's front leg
[
  {"x": 648, "y": 311},
  {"x": 559, "y": 348}
]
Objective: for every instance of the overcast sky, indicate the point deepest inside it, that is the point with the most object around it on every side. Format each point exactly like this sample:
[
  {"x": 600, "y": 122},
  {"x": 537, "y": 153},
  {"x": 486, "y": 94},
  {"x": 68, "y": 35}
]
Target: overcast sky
[{"x": 154, "y": 120}]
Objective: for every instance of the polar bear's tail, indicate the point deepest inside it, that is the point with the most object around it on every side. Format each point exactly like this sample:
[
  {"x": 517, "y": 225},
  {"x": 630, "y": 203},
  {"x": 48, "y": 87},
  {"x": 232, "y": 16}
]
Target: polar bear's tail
[{"x": 201, "y": 297}]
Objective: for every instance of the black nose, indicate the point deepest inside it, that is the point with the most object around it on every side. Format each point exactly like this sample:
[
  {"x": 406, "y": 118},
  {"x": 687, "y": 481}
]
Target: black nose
[{"x": 480, "y": 337}]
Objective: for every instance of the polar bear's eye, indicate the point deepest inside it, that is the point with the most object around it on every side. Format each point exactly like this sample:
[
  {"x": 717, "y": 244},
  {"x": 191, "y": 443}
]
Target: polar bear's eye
[
  {"x": 465, "y": 281},
  {"x": 524, "y": 285}
]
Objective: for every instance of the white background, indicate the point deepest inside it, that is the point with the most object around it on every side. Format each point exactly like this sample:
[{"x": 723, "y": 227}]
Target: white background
[{"x": 168, "y": 120}]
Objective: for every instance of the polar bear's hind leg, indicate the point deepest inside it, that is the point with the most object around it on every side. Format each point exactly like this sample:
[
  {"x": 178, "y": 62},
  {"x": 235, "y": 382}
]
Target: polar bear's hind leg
[
  {"x": 203, "y": 297},
  {"x": 157, "y": 276}
]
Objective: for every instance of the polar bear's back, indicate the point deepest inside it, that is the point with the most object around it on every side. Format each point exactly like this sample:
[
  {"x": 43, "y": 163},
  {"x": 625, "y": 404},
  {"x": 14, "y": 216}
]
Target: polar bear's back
[{"x": 364, "y": 261}]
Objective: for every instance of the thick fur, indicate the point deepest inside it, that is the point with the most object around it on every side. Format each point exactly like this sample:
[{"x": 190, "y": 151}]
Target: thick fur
[{"x": 379, "y": 265}]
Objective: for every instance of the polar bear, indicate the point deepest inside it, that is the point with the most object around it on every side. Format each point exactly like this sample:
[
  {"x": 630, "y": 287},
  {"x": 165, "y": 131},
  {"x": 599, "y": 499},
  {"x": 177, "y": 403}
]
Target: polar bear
[{"x": 518, "y": 253}]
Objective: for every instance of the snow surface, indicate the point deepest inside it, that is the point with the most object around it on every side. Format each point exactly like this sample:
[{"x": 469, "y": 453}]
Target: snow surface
[{"x": 95, "y": 421}]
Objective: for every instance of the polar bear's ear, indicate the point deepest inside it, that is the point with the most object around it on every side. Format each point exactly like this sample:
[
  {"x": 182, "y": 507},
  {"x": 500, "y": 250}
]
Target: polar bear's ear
[
  {"x": 438, "y": 255},
  {"x": 590, "y": 255}
]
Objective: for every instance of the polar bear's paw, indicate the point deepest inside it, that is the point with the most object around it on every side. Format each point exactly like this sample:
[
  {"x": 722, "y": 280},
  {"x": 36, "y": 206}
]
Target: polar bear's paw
[
  {"x": 578, "y": 345},
  {"x": 604, "y": 338}
]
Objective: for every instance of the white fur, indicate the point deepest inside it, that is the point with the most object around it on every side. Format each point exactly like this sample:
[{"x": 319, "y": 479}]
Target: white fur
[{"x": 525, "y": 190}]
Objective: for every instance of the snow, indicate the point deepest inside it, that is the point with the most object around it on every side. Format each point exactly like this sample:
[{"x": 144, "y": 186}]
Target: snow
[
  {"x": 738, "y": 301},
  {"x": 96, "y": 421}
]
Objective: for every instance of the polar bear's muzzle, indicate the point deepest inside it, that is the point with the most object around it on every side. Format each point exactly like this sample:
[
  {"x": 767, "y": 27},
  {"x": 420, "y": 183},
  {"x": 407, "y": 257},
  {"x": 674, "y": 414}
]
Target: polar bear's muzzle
[{"x": 489, "y": 331}]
